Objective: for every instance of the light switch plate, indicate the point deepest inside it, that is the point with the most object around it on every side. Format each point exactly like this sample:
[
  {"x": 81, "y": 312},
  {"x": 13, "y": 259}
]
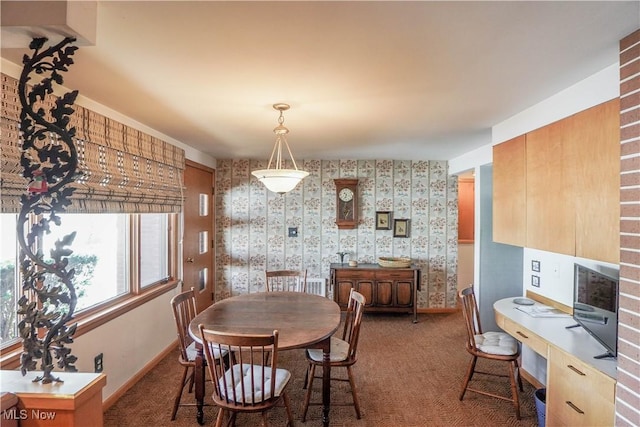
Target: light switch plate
[
  {"x": 535, "y": 265},
  {"x": 535, "y": 281}
]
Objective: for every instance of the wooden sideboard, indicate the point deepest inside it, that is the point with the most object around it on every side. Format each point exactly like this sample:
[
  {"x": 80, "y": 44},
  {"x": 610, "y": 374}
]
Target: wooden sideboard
[
  {"x": 385, "y": 289},
  {"x": 75, "y": 402}
]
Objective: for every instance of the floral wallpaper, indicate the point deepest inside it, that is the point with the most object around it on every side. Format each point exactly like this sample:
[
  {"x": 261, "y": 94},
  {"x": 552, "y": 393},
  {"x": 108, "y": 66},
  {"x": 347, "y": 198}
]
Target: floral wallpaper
[{"x": 252, "y": 223}]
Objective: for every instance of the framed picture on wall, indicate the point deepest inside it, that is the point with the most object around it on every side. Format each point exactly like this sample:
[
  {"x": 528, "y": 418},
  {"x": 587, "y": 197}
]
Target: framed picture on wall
[
  {"x": 383, "y": 220},
  {"x": 401, "y": 228}
]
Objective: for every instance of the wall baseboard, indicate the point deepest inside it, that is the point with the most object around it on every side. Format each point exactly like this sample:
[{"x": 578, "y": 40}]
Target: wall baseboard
[
  {"x": 437, "y": 310},
  {"x": 111, "y": 400},
  {"x": 530, "y": 379}
]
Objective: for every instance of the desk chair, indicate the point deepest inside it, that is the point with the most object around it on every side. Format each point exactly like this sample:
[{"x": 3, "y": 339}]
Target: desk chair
[
  {"x": 343, "y": 353},
  {"x": 498, "y": 346},
  {"x": 248, "y": 385},
  {"x": 184, "y": 310},
  {"x": 286, "y": 280}
]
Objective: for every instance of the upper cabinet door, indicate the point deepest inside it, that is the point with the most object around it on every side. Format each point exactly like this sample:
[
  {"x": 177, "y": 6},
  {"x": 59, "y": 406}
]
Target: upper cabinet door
[
  {"x": 509, "y": 192},
  {"x": 550, "y": 196},
  {"x": 595, "y": 150}
]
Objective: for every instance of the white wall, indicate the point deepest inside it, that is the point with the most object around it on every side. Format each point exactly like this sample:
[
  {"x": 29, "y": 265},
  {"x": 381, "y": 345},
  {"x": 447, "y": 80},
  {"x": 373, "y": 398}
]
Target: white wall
[
  {"x": 595, "y": 89},
  {"x": 128, "y": 342}
]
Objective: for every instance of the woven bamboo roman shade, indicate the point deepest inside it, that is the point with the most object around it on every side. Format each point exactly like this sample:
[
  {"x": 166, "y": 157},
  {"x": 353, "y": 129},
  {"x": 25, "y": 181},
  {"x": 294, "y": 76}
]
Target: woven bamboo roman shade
[{"x": 120, "y": 169}]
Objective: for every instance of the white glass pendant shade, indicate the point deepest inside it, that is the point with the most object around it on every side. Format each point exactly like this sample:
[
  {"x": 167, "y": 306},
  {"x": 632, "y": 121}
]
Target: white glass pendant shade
[
  {"x": 280, "y": 180},
  {"x": 275, "y": 177}
]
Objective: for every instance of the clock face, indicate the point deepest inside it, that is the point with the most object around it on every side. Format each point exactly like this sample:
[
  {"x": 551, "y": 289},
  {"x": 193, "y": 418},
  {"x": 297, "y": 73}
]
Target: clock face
[{"x": 345, "y": 194}]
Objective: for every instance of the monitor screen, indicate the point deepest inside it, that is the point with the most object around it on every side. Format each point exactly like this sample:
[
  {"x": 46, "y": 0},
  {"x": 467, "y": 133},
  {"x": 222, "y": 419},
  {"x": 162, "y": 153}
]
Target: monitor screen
[
  {"x": 596, "y": 289},
  {"x": 595, "y": 305}
]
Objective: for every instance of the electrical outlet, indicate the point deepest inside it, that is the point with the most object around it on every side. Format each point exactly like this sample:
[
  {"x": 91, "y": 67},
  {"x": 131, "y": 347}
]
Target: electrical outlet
[
  {"x": 293, "y": 231},
  {"x": 97, "y": 363}
]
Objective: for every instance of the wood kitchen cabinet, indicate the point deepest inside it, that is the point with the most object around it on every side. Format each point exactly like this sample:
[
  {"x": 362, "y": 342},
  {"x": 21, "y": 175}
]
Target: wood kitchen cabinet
[
  {"x": 595, "y": 170},
  {"x": 549, "y": 193},
  {"x": 509, "y": 192},
  {"x": 385, "y": 289},
  {"x": 557, "y": 188},
  {"x": 577, "y": 394}
]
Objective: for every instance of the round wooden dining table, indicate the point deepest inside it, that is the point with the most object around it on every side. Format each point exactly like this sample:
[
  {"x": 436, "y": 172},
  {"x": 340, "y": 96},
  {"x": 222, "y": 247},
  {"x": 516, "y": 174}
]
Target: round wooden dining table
[{"x": 302, "y": 320}]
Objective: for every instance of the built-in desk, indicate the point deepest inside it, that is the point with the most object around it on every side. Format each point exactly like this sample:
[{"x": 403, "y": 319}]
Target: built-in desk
[{"x": 580, "y": 389}]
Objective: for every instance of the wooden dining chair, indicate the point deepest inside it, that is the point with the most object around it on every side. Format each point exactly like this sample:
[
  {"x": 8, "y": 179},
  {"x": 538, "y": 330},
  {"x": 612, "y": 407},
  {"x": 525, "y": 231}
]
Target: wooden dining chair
[
  {"x": 248, "y": 385},
  {"x": 343, "y": 354},
  {"x": 184, "y": 310},
  {"x": 286, "y": 280},
  {"x": 498, "y": 346}
]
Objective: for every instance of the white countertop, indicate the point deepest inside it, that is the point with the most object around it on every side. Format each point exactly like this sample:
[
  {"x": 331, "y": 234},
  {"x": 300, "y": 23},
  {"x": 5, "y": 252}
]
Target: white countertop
[{"x": 575, "y": 341}]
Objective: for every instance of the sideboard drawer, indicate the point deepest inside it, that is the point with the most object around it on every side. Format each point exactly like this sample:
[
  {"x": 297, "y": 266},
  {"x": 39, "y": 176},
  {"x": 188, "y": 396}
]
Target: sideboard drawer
[
  {"x": 395, "y": 275},
  {"x": 353, "y": 273}
]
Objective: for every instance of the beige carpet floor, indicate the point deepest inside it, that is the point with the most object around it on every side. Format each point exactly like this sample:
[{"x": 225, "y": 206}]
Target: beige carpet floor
[{"x": 407, "y": 375}]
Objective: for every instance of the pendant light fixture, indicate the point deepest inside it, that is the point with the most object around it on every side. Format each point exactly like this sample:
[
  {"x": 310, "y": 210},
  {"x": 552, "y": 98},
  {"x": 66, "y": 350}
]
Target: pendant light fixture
[{"x": 275, "y": 177}]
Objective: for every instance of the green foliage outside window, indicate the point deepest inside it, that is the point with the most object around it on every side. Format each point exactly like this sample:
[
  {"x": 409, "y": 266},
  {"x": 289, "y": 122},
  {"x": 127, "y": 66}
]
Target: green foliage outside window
[{"x": 84, "y": 266}]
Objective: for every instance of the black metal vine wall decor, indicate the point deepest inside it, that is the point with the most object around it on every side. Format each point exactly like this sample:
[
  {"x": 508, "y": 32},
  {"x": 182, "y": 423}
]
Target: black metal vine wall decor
[{"x": 49, "y": 160}]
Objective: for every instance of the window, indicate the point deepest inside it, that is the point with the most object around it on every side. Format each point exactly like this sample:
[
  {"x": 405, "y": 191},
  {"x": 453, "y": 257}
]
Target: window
[
  {"x": 154, "y": 241},
  {"x": 121, "y": 259},
  {"x": 9, "y": 283},
  {"x": 99, "y": 255},
  {"x": 114, "y": 255}
]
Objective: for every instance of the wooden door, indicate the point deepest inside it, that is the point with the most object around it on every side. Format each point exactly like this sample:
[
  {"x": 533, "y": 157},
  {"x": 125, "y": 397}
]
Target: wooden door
[{"x": 198, "y": 248}]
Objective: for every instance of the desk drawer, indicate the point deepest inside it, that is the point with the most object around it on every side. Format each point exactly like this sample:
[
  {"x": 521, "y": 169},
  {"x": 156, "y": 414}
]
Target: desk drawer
[
  {"x": 526, "y": 337},
  {"x": 577, "y": 394}
]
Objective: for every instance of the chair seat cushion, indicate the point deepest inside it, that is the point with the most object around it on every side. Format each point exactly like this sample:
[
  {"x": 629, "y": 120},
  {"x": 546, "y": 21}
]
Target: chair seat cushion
[
  {"x": 497, "y": 343},
  {"x": 339, "y": 351},
  {"x": 241, "y": 378},
  {"x": 192, "y": 352}
]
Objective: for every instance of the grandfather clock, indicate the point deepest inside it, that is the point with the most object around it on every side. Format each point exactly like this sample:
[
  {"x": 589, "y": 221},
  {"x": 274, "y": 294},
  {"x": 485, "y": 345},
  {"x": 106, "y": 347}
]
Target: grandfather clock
[{"x": 346, "y": 202}]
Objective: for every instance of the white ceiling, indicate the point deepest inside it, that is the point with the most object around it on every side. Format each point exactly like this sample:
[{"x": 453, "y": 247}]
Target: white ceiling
[{"x": 365, "y": 80}]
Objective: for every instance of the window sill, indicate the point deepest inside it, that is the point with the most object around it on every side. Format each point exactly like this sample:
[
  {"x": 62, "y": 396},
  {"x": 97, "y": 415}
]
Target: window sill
[{"x": 10, "y": 356}]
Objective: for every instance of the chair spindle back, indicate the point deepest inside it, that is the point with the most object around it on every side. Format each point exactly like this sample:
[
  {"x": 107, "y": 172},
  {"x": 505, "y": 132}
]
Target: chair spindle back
[
  {"x": 286, "y": 280},
  {"x": 184, "y": 310},
  {"x": 241, "y": 386}
]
